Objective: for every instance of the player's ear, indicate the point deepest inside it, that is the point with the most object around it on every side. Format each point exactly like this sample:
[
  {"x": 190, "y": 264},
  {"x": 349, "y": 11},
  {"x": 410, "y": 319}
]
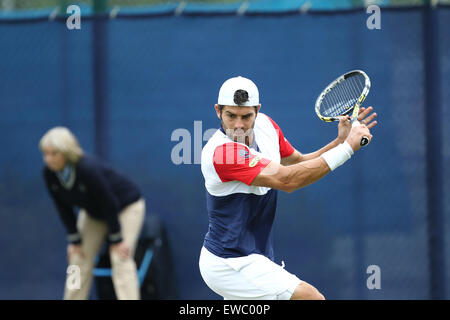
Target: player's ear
[
  {"x": 257, "y": 109},
  {"x": 216, "y": 106}
]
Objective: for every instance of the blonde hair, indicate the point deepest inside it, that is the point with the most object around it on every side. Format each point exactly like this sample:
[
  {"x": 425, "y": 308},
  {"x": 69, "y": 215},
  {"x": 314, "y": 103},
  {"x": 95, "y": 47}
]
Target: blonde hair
[{"x": 63, "y": 141}]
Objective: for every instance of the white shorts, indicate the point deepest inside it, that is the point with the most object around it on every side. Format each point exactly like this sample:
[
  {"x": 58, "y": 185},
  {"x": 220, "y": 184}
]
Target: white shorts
[{"x": 253, "y": 277}]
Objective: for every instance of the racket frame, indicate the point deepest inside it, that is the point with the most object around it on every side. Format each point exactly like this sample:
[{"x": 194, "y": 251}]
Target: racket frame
[{"x": 355, "y": 109}]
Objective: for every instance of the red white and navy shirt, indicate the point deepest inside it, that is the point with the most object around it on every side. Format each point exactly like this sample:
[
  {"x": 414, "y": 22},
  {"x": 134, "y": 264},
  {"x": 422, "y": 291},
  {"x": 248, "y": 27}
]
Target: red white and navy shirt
[{"x": 241, "y": 215}]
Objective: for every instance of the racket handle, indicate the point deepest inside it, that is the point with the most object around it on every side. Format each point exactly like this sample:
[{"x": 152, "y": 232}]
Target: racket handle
[{"x": 364, "y": 139}]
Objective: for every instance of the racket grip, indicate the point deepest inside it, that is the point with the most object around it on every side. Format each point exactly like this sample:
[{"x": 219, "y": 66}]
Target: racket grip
[{"x": 355, "y": 123}]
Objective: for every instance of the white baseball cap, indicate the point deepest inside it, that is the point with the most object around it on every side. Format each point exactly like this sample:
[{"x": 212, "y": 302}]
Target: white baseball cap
[{"x": 229, "y": 87}]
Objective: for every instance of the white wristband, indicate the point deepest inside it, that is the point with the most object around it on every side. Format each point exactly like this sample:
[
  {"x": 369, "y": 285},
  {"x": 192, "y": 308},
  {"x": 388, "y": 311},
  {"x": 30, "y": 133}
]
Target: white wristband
[{"x": 338, "y": 155}]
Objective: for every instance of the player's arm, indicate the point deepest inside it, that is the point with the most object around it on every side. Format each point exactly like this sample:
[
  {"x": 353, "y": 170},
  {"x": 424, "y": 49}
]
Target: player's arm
[
  {"x": 290, "y": 156},
  {"x": 344, "y": 128},
  {"x": 298, "y": 157},
  {"x": 291, "y": 178}
]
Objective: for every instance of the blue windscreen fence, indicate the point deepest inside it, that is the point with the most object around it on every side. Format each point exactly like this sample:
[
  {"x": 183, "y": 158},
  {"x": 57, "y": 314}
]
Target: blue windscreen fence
[{"x": 138, "y": 90}]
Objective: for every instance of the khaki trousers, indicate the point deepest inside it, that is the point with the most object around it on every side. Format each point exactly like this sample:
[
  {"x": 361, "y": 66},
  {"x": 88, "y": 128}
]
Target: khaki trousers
[{"x": 93, "y": 233}]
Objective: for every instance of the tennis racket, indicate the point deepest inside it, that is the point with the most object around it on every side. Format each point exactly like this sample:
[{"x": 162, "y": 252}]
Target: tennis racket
[{"x": 344, "y": 96}]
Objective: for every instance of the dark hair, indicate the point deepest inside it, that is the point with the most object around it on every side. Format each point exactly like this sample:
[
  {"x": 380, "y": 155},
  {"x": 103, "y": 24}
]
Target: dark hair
[{"x": 240, "y": 97}]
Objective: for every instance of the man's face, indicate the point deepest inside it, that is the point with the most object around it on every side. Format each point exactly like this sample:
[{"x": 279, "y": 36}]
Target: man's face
[{"x": 238, "y": 122}]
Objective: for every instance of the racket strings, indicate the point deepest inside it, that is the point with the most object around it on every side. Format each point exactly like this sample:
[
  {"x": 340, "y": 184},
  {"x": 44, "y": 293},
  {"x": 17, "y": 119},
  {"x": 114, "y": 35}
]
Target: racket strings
[{"x": 342, "y": 98}]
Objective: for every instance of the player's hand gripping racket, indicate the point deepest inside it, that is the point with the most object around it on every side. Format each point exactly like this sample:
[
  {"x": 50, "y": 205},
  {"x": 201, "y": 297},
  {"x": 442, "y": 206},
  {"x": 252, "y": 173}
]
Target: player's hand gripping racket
[{"x": 344, "y": 96}]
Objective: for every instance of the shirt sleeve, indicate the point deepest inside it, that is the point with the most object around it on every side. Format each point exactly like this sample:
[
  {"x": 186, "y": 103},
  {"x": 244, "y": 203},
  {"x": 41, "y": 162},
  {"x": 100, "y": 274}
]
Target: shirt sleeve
[
  {"x": 234, "y": 161},
  {"x": 286, "y": 149},
  {"x": 65, "y": 212}
]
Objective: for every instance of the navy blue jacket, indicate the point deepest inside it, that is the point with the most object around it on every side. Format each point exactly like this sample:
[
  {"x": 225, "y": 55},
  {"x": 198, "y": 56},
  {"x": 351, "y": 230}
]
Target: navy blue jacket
[{"x": 98, "y": 189}]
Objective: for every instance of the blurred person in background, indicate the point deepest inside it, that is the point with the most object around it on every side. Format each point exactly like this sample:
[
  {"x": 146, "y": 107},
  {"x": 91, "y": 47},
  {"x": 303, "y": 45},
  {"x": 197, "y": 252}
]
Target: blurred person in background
[{"x": 111, "y": 207}]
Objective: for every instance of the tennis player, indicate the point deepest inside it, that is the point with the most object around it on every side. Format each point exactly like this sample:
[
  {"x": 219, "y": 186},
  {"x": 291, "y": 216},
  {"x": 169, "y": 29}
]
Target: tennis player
[
  {"x": 244, "y": 164},
  {"x": 111, "y": 207}
]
